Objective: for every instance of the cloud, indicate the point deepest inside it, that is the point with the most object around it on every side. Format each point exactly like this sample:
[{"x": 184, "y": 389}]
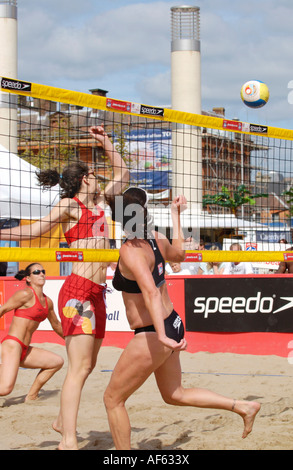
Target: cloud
[
  {"x": 105, "y": 43},
  {"x": 125, "y": 47},
  {"x": 156, "y": 89},
  {"x": 252, "y": 42}
]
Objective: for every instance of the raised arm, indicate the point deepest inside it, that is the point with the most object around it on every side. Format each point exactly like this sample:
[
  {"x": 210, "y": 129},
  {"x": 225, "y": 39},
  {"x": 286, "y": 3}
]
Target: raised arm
[
  {"x": 120, "y": 171},
  {"x": 176, "y": 251}
]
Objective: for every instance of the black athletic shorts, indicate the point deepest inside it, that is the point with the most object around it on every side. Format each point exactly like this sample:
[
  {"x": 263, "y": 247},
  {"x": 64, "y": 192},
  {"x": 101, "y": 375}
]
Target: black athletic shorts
[{"x": 173, "y": 327}]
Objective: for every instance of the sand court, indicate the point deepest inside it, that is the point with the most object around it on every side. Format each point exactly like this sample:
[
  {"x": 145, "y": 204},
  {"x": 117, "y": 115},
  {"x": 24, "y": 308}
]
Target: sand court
[{"x": 156, "y": 425}]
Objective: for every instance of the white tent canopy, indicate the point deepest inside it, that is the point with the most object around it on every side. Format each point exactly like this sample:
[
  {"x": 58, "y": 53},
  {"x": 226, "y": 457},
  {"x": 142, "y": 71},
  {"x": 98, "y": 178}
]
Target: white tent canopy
[{"x": 20, "y": 195}]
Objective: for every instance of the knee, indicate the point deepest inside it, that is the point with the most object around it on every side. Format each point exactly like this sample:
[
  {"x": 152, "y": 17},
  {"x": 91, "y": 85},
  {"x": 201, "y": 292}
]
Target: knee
[
  {"x": 88, "y": 366},
  {"x": 5, "y": 389},
  {"x": 85, "y": 371},
  {"x": 173, "y": 398},
  {"x": 167, "y": 399},
  {"x": 59, "y": 363},
  {"x": 80, "y": 372},
  {"x": 92, "y": 366},
  {"x": 110, "y": 400}
]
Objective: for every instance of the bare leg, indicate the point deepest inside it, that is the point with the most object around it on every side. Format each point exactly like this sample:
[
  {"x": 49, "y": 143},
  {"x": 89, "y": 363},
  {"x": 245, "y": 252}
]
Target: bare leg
[
  {"x": 144, "y": 355},
  {"x": 47, "y": 361},
  {"x": 36, "y": 358},
  {"x": 10, "y": 359},
  {"x": 82, "y": 352},
  {"x": 168, "y": 378},
  {"x": 134, "y": 366}
]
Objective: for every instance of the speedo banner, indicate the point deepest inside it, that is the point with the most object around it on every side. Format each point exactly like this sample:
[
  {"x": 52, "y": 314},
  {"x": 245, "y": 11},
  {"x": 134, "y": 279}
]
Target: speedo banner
[{"x": 232, "y": 304}]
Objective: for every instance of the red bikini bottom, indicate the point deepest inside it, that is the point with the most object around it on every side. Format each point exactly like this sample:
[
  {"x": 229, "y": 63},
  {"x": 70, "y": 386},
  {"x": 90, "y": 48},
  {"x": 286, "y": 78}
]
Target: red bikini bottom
[{"x": 23, "y": 346}]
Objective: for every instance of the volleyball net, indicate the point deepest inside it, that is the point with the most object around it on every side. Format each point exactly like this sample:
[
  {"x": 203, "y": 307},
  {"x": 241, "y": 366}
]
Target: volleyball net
[{"x": 237, "y": 176}]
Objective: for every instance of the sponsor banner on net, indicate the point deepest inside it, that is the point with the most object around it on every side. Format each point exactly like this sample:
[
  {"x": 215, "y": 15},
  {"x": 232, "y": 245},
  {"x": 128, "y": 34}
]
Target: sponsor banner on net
[
  {"x": 151, "y": 110},
  {"x": 15, "y": 85}
]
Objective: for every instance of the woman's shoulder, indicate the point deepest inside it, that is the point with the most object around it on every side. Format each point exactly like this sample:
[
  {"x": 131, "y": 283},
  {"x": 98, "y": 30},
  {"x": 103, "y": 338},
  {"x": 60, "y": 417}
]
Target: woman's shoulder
[
  {"x": 67, "y": 202},
  {"x": 65, "y": 206},
  {"x": 26, "y": 294},
  {"x": 133, "y": 248},
  {"x": 133, "y": 254}
]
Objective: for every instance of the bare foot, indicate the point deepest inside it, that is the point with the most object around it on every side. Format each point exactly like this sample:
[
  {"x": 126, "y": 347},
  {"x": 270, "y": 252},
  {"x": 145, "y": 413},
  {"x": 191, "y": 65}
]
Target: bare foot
[
  {"x": 248, "y": 411},
  {"x": 63, "y": 446},
  {"x": 70, "y": 445},
  {"x": 56, "y": 426},
  {"x": 29, "y": 398}
]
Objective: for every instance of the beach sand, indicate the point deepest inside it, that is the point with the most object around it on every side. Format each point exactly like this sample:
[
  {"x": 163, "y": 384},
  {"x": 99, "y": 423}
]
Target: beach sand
[{"x": 156, "y": 425}]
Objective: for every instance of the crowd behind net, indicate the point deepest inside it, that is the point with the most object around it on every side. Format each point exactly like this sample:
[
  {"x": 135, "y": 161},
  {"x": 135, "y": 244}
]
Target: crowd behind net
[{"x": 237, "y": 177}]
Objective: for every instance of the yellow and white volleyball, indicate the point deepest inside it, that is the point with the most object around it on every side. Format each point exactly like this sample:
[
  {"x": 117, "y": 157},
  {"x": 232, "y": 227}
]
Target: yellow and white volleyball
[{"x": 255, "y": 93}]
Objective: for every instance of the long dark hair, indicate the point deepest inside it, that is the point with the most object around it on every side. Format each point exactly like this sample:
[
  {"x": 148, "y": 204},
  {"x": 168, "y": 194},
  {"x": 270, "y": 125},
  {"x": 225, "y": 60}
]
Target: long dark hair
[
  {"x": 69, "y": 181},
  {"x": 22, "y": 273},
  {"x": 132, "y": 213}
]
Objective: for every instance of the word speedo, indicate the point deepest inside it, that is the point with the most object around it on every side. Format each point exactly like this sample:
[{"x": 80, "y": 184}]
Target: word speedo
[{"x": 255, "y": 304}]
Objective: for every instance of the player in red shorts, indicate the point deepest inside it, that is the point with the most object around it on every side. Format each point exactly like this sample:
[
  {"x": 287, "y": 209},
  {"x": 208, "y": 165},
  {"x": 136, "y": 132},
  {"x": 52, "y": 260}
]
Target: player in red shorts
[{"x": 82, "y": 297}]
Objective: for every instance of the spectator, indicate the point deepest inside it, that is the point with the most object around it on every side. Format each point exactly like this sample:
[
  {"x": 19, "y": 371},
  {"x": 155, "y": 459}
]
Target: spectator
[
  {"x": 285, "y": 266},
  {"x": 211, "y": 267},
  {"x": 239, "y": 267},
  {"x": 177, "y": 269},
  {"x": 201, "y": 245}
]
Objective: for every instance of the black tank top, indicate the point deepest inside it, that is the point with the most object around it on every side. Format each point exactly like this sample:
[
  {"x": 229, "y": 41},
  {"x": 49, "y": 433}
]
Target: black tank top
[{"x": 120, "y": 282}]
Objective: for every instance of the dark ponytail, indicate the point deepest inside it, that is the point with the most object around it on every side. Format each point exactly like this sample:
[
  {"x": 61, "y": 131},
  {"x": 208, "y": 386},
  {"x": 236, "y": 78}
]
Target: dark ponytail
[
  {"x": 48, "y": 178},
  {"x": 69, "y": 181},
  {"x": 22, "y": 273}
]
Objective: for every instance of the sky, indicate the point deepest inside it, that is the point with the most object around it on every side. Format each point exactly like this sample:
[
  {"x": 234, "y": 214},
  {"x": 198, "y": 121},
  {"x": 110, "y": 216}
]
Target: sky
[{"x": 124, "y": 47}]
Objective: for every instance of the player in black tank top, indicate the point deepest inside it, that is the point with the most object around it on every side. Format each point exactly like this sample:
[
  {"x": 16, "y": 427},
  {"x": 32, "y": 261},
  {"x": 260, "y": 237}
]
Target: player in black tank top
[
  {"x": 121, "y": 283},
  {"x": 173, "y": 324},
  {"x": 154, "y": 348}
]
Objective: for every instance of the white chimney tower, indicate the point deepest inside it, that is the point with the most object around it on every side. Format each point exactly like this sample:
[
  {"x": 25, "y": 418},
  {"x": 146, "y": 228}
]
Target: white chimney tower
[
  {"x": 8, "y": 68},
  {"x": 186, "y": 97}
]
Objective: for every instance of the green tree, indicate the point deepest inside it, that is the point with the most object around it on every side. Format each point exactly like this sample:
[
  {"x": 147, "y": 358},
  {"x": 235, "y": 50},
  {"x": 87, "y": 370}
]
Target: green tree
[
  {"x": 232, "y": 200},
  {"x": 289, "y": 199},
  {"x": 48, "y": 148}
]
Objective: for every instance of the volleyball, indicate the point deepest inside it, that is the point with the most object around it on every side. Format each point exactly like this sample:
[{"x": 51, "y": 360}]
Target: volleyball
[{"x": 254, "y": 93}]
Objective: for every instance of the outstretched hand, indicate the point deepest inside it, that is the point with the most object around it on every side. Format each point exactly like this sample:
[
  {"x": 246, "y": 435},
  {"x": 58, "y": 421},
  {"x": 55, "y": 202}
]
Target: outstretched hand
[
  {"x": 98, "y": 133},
  {"x": 179, "y": 204}
]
